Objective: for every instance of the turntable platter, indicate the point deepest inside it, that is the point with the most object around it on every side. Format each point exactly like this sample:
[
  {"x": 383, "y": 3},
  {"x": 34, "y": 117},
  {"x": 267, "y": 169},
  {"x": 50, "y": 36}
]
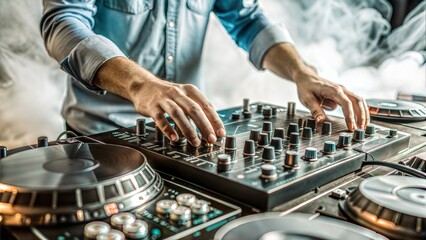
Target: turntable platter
[{"x": 396, "y": 110}]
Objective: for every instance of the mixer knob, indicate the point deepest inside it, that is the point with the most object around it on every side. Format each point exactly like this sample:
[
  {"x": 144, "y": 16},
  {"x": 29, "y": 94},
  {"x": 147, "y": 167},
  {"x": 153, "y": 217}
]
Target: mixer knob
[
  {"x": 249, "y": 147},
  {"x": 223, "y": 162},
  {"x": 259, "y": 108},
  {"x": 120, "y": 219},
  {"x": 329, "y": 147},
  {"x": 230, "y": 143},
  {"x": 294, "y": 139},
  {"x": 277, "y": 143},
  {"x": 267, "y": 128},
  {"x": 254, "y": 135},
  {"x": 279, "y": 132},
  {"x": 359, "y": 135},
  {"x": 247, "y": 114},
  {"x": 267, "y": 113},
  {"x": 93, "y": 229},
  {"x": 181, "y": 213},
  {"x": 291, "y": 108},
  {"x": 263, "y": 140},
  {"x": 111, "y": 235},
  {"x": 268, "y": 154},
  {"x": 310, "y": 122},
  {"x": 136, "y": 230},
  {"x": 291, "y": 159},
  {"x": 246, "y": 105},
  {"x": 268, "y": 171},
  {"x": 235, "y": 116},
  {"x": 292, "y": 128},
  {"x": 393, "y": 133},
  {"x": 181, "y": 141},
  {"x": 42, "y": 141},
  {"x": 140, "y": 126},
  {"x": 159, "y": 136},
  {"x": 307, "y": 133},
  {"x": 344, "y": 140},
  {"x": 370, "y": 130},
  {"x": 311, "y": 154},
  {"x": 301, "y": 122},
  {"x": 3, "y": 151},
  {"x": 165, "y": 206},
  {"x": 200, "y": 207},
  {"x": 274, "y": 111},
  {"x": 326, "y": 128},
  {"x": 185, "y": 199}
]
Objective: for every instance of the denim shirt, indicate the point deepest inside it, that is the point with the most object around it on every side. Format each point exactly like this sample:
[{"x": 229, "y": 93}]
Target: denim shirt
[{"x": 165, "y": 37}]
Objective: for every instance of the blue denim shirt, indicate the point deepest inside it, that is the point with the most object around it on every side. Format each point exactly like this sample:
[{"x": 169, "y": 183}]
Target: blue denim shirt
[{"x": 164, "y": 36}]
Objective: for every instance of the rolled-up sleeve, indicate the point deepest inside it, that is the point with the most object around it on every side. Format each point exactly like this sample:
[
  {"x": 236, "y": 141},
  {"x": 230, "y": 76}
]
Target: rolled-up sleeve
[
  {"x": 66, "y": 28},
  {"x": 248, "y": 26}
]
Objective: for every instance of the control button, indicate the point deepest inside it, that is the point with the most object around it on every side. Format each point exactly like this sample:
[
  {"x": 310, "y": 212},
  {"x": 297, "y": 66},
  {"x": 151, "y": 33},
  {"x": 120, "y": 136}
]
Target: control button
[
  {"x": 111, "y": 235},
  {"x": 93, "y": 229},
  {"x": 311, "y": 154},
  {"x": 329, "y": 147},
  {"x": 344, "y": 140},
  {"x": 268, "y": 171},
  {"x": 326, "y": 128},
  {"x": 231, "y": 143},
  {"x": 181, "y": 213},
  {"x": 263, "y": 140},
  {"x": 120, "y": 219},
  {"x": 165, "y": 206},
  {"x": 291, "y": 159},
  {"x": 181, "y": 141},
  {"x": 310, "y": 122},
  {"x": 42, "y": 141},
  {"x": 393, "y": 133},
  {"x": 247, "y": 114},
  {"x": 301, "y": 122},
  {"x": 294, "y": 139},
  {"x": 141, "y": 127},
  {"x": 359, "y": 135},
  {"x": 268, "y": 154},
  {"x": 223, "y": 162},
  {"x": 292, "y": 128},
  {"x": 254, "y": 135},
  {"x": 370, "y": 130},
  {"x": 277, "y": 143},
  {"x": 249, "y": 147},
  {"x": 236, "y": 116},
  {"x": 159, "y": 136},
  {"x": 338, "y": 194},
  {"x": 291, "y": 108},
  {"x": 185, "y": 199},
  {"x": 200, "y": 207},
  {"x": 3, "y": 151},
  {"x": 274, "y": 111},
  {"x": 136, "y": 230},
  {"x": 246, "y": 105},
  {"x": 279, "y": 133},
  {"x": 259, "y": 108},
  {"x": 267, "y": 113},
  {"x": 307, "y": 133}
]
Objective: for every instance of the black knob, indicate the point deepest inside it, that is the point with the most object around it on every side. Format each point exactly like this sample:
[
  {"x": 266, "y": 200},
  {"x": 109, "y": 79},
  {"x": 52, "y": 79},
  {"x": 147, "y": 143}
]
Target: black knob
[
  {"x": 259, "y": 108},
  {"x": 359, "y": 135},
  {"x": 274, "y": 111},
  {"x": 344, "y": 140},
  {"x": 279, "y": 132},
  {"x": 181, "y": 141},
  {"x": 310, "y": 122},
  {"x": 311, "y": 154},
  {"x": 277, "y": 143},
  {"x": 247, "y": 114},
  {"x": 307, "y": 133},
  {"x": 370, "y": 130},
  {"x": 3, "y": 151},
  {"x": 42, "y": 141},
  {"x": 263, "y": 139},
  {"x": 268, "y": 154},
  {"x": 254, "y": 135},
  {"x": 141, "y": 126},
  {"x": 291, "y": 159},
  {"x": 393, "y": 133},
  {"x": 236, "y": 116},
  {"x": 249, "y": 147},
  {"x": 326, "y": 128},
  {"x": 301, "y": 122},
  {"x": 291, "y": 108},
  {"x": 246, "y": 105},
  {"x": 223, "y": 162},
  {"x": 294, "y": 139},
  {"x": 230, "y": 143},
  {"x": 329, "y": 147},
  {"x": 159, "y": 136},
  {"x": 292, "y": 128},
  {"x": 269, "y": 171},
  {"x": 267, "y": 127},
  {"x": 267, "y": 113}
]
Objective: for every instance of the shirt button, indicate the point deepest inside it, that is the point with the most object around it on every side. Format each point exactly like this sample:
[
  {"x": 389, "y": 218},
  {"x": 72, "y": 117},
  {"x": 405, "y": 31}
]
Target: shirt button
[
  {"x": 170, "y": 58},
  {"x": 171, "y": 24}
]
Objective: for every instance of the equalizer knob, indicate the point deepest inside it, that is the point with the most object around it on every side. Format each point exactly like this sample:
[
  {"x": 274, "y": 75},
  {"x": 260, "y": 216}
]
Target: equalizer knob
[
  {"x": 263, "y": 140},
  {"x": 136, "y": 230},
  {"x": 259, "y": 108},
  {"x": 230, "y": 143},
  {"x": 236, "y": 116},
  {"x": 112, "y": 234},
  {"x": 393, "y": 133},
  {"x": 344, "y": 140},
  {"x": 307, "y": 133},
  {"x": 223, "y": 162},
  {"x": 181, "y": 214},
  {"x": 200, "y": 207},
  {"x": 186, "y": 199},
  {"x": 181, "y": 141},
  {"x": 268, "y": 154},
  {"x": 42, "y": 141},
  {"x": 159, "y": 136},
  {"x": 120, "y": 219},
  {"x": 246, "y": 105},
  {"x": 310, "y": 122},
  {"x": 311, "y": 154},
  {"x": 96, "y": 228},
  {"x": 268, "y": 171},
  {"x": 279, "y": 132},
  {"x": 3, "y": 151},
  {"x": 370, "y": 130},
  {"x": 301, "y": 122},
  {"x": 140, "y": 126},
  {"x": 267, "y": 113},
  {"x": 267, "y": 128},
  {"x": 274, "y": 111},
  {"x": 359, "y": 135},
  {"x": 291, "y": 159},
  {"x": 326, "y": 128},
  {"x": 254, "y": 135},
  {"x": 249, "y": 148},
  {"x": 277, "y": 143},
  {"x": 292, "y": 128},
  {"x": 329, "y": 147},
  {"x": 165, "y": 206},
  {"x": 294, "y": 139},
  {"x": 291, "y": 109}
]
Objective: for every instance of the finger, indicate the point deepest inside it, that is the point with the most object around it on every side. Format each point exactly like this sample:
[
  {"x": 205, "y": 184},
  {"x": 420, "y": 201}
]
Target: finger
[
  {"x": 208, "y": 109},
  {"x": 358, "y": 106},
  {"x": 328, "y": 104},
  {"x": 367, "y": 112},
  {"x": 340, "y": 98},
  {"x": 312, "y": 103},
  {"x": 194, "y": 111},
  {"x": 181, "y": 120},
  {"x": 164, "y": 125}
]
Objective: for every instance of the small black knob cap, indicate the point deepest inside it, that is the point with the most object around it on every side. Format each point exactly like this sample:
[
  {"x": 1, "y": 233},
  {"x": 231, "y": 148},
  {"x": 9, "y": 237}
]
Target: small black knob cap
[
  {"x": 247, "y": 114},
  {"x": 292, "y": 128},
  {"x": 307, "y": 133},
  {"x": 329, "y": 147},
  {"x": 268, "y": 171},
  {"x": 42, "y": 141},
  {"x": 263, "y": 139},
  {"x": 249, "y": 147},
  {"x": 393, "y": 133},
  {"x": 268, "y": 154},
  {"x": 3, "y": 151},
  {"x": 301, "y": 122},
  {"x": 223, "y": 162},
  {"x": 291, "y": 108},
  {"x": 236, "y": 116},
  {"x": 345, "y": 140},
  {"x": 159, "y": 136},
  {"x": 311, "y": 154},
  {"x": 182, "y": 141},
  {"x": 291, "y": 159},
  {"x": 277, "y": 143},
  {"x": 326, "y": 128},
  {"x": 246, "y": 105},
  {"x": 370, "y": 130},
  {"x": 267, "y": 113},
  {"x": 259, "y": 108},
  {"x": 254, "y": 135},
  {"x": 279, "y": 132},
  {"x": 310, "y": 122},
  {"x": 267, "y": 127},
  {"x": 140, "y": 126},
  {"x": 274, "y": 111},
  {"x": 294, "y": 139},
  {"x": 359, "y": 135},
  {"x": 230, "y": 143}
]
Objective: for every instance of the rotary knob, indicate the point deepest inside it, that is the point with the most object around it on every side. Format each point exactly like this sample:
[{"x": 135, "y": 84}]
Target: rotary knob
[
  {"x": 301, "y": 123},
  {"x": 42, "y": 142},
  {"x": 230, "y": 143},
  {"x": 311, "y": 154},
  {"x": 292, "y": 128},
  {"x": 185, "y": 199},
  {"x": 359, "y": 135},
  {"x": 267, "y": 113},
  {"x": 310, "y": 122},
  {"x": 120, "y": 219},
  {"x": 259, "y": 108},
  {"x": 247, "y": 114},
  {"x": 181, "y": 141},
  {"x": 268, "y": 171},
  {"x": 3, "y": 151},
  {"x": 223, "y": 162},
  {"x": 159, "y": 136},
  {"x": 254, "y": 135},
  {"x": 326, "y": 128},
  {"x": 111, "y": 235},
  {"x": 370, "y": 130},
  {"x": 268, "y": 154},
  {"x": 294, "y": 139},
  {"x": 393, "y": 133},
  {"x": 307, "y": 133},
  {"x": 249, "y": 148},
  {"x": 263, "y": 140},
  {"x": 291, "y": 108},
  {"x": 329, "y": 147},
  {"x": 291, "y": 159},
  {"x": 181, "y": 214},
  {"x": 165, "y": 206},
  {"x": 235, "y": 116},
  {"x": 267, "y": 128},
  {"x": 344, "y": 140},
  {"x": 93, "y": 229},
  {"x": 277, "y": 143},
  {"x": 274, "y": 111},
  {"x": 246, "y": 105},
  {"x": 200, "y": 207},
  {"x": 279, "y": 132},
  {"x": 140, "y": 126},
  {"x": 136, "y": 230}
]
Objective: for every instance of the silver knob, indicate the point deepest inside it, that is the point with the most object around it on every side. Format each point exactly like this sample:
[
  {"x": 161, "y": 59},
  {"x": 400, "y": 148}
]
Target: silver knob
[
  {"x": 93, "y": 229},
  {"x": 120, "y": 219},
  {"x": 136, "y": 230},
  {"x": 111, "y": 235},
  {"x": 181, "y": 213},
  {"x": 185, "y": 199},
  {"x": 165, "y": 206},
  {"x": 200, "y": 207}
]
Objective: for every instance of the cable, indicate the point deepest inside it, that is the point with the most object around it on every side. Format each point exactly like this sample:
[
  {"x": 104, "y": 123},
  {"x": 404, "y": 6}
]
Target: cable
[
  {"x": 399, "y": 167},
  {"x": 66, "y": 133}
]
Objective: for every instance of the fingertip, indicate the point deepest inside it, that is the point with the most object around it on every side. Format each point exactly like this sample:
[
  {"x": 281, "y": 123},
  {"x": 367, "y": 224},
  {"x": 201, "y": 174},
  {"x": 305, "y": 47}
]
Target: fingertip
[
  {"x": 320, "y": 118},
  {"x": 211, "y": 138},
  {"x": 221, "y": 132},
  {"x": 174, "y": 137}
]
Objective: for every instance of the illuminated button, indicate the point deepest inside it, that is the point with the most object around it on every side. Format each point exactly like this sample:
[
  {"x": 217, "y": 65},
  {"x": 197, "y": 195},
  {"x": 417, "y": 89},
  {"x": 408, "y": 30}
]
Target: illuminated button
[
  {"x": 120, "y": 219},
  {"x": 200, "y": 207},
  {"x": 165, "y": 206},
  {"x": 136, "y": 230},
  {"x": 186, "y": 199},
  {"x": 171, "y": 24},
  {"x": 181, "y": 213},
  {"x": 170, "y": 58},
  {"x": 93, "y": 229},
  {"x": 112, "y": 235}
]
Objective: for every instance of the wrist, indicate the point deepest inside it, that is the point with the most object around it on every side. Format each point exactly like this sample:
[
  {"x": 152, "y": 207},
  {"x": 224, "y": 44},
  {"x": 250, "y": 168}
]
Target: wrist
[{"x": 303, "y": 72}]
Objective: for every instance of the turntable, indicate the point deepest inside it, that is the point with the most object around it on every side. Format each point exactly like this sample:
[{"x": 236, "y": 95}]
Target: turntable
[{"x": 396, "y": 110}]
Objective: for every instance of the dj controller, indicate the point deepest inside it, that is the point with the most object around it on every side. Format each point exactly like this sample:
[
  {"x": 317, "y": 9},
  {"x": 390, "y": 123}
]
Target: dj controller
[{"x": 277, "y": 175}]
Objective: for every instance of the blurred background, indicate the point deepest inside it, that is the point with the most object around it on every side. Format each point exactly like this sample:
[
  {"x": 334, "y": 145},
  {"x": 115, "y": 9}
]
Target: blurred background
[{"x": 376, "y": 48}]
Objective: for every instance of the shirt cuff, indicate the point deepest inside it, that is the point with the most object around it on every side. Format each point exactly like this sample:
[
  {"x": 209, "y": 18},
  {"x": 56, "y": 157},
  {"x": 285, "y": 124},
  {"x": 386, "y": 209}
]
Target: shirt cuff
[
  {"x": 85, "y": 59},
  {"x": 266, "y": 39}
]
